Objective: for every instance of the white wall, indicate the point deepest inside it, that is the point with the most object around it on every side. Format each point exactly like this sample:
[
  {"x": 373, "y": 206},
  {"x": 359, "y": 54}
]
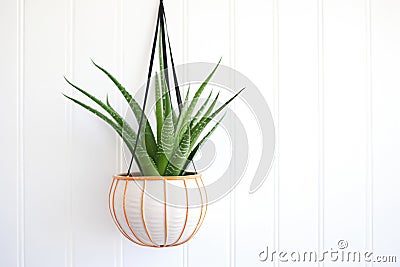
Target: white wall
[{"x": 328, "y": 69}]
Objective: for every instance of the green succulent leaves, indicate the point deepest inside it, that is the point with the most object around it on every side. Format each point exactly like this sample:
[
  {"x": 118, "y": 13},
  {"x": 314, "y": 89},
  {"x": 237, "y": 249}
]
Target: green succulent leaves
[{"x": 169, "y": 149}]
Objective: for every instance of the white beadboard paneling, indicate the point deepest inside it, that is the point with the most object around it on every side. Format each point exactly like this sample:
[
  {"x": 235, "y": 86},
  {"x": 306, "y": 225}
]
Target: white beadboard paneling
[
  {"x": 93, "y": 142},
  {"x": 209, "y": 40},
  {"x": 9, "y": 136},
  {"x": 208, "y": 31},
  {"x": 68, "y": 65},
  {"x": 386, "y": 127},
  {"x": 45, "y": 168},
  {"x": 345, "y": 98},
  {"x": 327, "y": 68},
  {"x": 118, "y": 102},
  {"x": 254, "y": 57},
  {"x": 369, "y": 144},
  {"x": 298, "y": 127},
  {"x": 175, "y": 17},
  {"x": 321, "y": 128},
  {"x": 275, "y": 90}
]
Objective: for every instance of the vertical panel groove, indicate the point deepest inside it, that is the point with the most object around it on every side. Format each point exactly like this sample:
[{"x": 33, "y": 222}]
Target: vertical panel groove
[
  {"x": 119, "y": 52},
  {"x": 68, "y": 68},
  {"x": 321, "y": 130},
  {"x": 275, "y": 15},
  {"x": 232, "y": 48},
  {"x": 20, "y": 137},
  {"x": 185, "y": 37},
  {"x": 369, "y": 148}
]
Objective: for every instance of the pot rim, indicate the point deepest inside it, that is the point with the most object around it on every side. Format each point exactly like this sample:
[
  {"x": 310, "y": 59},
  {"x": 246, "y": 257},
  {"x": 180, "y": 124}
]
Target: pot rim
[{"x": 138, "y": 176}]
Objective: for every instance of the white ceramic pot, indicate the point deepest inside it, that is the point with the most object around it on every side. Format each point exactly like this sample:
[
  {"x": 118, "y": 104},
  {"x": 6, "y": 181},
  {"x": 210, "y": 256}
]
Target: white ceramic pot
[{"x": 158, "y": 211}]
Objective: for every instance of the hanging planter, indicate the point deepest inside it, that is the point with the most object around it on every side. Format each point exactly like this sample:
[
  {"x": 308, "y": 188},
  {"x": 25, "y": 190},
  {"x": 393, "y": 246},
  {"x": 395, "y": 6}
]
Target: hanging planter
[
  {"x": 141, "y": 204},
  {"x": 138, "y": 205}
]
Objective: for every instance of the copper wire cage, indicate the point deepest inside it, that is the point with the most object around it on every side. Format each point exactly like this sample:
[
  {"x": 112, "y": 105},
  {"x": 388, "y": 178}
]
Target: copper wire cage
[{"x": 146, "y": 212}]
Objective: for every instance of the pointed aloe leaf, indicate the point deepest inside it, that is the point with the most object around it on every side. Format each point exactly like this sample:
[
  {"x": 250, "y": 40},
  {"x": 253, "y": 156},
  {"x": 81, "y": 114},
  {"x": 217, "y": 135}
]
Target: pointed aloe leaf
[
  {"x": 145, "y": 164},
  {"x": 199, "y": 145},
  {"x": 196, "y": 97},
  {"x": 208, "y": 111},
  {"x": 226, "y": 103},
  {"x": 200, "y": 126},
  {"x": 166, "y": 97},
  {"x": 137, "y": 111},
  {"x": 112, "y": 112},
  {"x": 165, "y": 147},
  {"x": 127, "y": 130},
  {"x": 159, "y": 108},
  {"x": 179, "y": 157},
  {"x": 181, "y": 125},
  {"x": 110, "y": 122},
  {"x": 200, "y": 90},
  {"x": 141, "y": 154},
  {"x": 187, "y": 95},
  {"x": 174, "y": 117},
  {"x": 201, "y": 109},
  {"x": 107, "y": 107}
]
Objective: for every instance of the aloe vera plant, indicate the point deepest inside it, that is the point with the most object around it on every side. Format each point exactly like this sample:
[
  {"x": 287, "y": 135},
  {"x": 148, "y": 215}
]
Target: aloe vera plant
[{"x": 177, "y": 138}]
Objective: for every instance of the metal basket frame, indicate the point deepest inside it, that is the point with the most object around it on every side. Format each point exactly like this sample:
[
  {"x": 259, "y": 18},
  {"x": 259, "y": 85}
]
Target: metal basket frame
[{"x": 128, "y": 179}]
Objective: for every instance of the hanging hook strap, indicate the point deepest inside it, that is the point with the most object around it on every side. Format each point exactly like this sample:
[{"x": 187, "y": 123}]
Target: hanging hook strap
[{"x": 164, "y": 50}]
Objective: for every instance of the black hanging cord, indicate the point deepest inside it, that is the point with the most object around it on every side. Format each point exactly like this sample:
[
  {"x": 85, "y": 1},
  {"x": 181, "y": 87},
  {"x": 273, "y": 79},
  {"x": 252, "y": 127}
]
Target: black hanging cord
[
  {"x": 147, "y": 90},
  {"x": 177, "y": 91},
  {"x": 162, "y": 22},
  {"x": 164, "y": 50}
]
